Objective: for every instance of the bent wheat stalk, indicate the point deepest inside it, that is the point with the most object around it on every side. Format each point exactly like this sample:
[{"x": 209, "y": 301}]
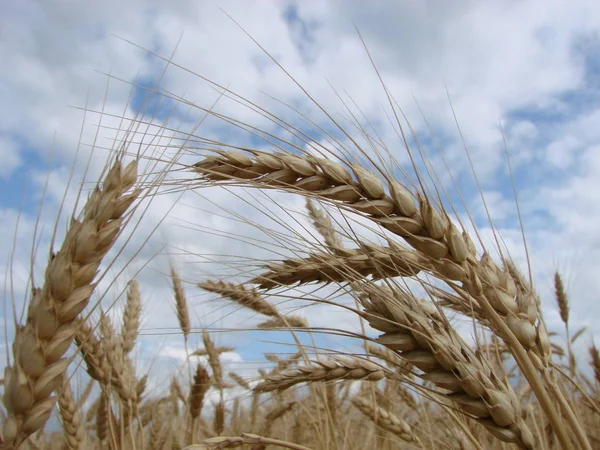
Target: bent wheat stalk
[{"x": 449, "y": 254}]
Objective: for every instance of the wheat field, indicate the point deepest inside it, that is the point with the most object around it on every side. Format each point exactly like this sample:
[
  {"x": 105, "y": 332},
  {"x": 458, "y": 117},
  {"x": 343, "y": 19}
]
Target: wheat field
[{"x": 449, "y": 350}]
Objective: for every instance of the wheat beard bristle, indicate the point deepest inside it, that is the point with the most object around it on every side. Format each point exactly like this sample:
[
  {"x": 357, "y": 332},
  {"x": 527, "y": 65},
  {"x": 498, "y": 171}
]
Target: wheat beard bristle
[{"x": 39, "y": 346}]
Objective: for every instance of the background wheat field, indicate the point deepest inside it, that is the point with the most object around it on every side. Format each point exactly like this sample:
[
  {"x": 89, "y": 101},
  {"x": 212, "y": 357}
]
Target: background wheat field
[{"x": 306, "y": 225}]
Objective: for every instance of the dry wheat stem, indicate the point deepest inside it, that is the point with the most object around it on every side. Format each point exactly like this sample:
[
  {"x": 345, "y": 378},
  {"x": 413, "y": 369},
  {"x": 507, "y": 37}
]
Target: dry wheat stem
[{"x": 40, "y": 344}]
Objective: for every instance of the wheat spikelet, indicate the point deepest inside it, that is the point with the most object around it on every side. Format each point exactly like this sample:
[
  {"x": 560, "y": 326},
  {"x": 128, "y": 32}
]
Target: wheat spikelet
[
  {"x": 97, "y": 365},
  {"x": 253, "y": 300},
  {"x": 198, "y": 390},
  {"x": 155, "y": 442},
  {"x": 213, "y": 360},
  {"x": 334, "y": 369},
  {"x": 103, "y": 417},
  {"x": 274, "y": 414},
  {"x": 424, "y": 228},
  {"x": 73, "y": 428},
  {"x": 561, "y": 298},
  {"x": 39, "y": 346},
  {"x": 183, "y": 314},
  {"x": 239, "y": 380},
  {"x": 345, "y": 265},
  {"x": 384, "y": 419},
  {"x": 219, "y": 418},
  {"x": 140, "y": 387},
  {"x": 284, "y": 322},
  {"x": 248, "y": 297},
  {"x": 322, "y": 222},
  {"x": 131, "y": 317}
]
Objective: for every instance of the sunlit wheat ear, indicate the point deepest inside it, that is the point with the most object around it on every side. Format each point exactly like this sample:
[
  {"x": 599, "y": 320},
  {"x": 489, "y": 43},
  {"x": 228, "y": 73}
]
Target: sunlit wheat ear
[
  {"x": 384, "y": 419},
  {"x": 41, "y": 343},
  {"x": 418, "y": 333}
]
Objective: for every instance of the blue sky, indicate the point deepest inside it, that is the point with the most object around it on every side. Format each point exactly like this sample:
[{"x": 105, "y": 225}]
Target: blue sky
[{"x": 533, "y": 66}]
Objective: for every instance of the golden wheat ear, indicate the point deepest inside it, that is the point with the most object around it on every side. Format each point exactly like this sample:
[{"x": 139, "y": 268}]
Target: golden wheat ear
[{"x": 40, "y": 344}]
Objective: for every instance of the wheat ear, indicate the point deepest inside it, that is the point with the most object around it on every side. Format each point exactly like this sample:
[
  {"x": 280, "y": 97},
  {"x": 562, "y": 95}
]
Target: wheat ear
[
  {"x": 181, "y": 305},
  {"x": 40, "y": 344},
  {"x": 418, "y": 333},
  {"x": 384, "y": 419},
  {"x": 73, "y": 427},
  {"x": 131, "y": 317},
  {"x": 345, "y": 265},
  {"x": 253, "y": 300},
  {"x": 326, "y": 370},
  {"x": 322, "y": 222},
  {"x": 200, "y": 386}
]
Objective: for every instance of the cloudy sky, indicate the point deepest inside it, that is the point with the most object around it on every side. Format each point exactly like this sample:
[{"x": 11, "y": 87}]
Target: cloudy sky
[{"x": 529, "y": 68}]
